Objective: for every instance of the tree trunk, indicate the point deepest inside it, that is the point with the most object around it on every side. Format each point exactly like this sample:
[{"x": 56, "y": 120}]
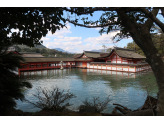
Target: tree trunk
[{"x": 141, "y": 36}]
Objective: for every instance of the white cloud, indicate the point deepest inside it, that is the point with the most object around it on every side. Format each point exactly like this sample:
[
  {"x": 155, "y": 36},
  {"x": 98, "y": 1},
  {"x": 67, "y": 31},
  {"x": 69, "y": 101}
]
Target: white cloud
[
  {"x": 69, "y": 39},
  {"x": 45, "y": 39},
  {"x": 76, "y": 44},
  {"x": 98, "y": 28},
  {"x": 102, "y": 39}
]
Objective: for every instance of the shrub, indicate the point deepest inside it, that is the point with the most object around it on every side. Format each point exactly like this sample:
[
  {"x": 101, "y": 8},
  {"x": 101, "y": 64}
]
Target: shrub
[
  {"x": 96, "y": 106},
  {"x": 54, "y": 100}
]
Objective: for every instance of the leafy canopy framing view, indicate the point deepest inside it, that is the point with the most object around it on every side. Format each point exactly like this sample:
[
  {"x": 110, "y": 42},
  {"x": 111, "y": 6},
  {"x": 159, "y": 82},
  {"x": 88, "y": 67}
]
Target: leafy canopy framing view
[{"x": 135, "y": 22}]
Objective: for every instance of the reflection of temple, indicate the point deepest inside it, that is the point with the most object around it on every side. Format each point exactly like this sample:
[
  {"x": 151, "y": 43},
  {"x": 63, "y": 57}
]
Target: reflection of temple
[
  {"x": 118, "y": 59},
  {"x": 117, "y": 74}
]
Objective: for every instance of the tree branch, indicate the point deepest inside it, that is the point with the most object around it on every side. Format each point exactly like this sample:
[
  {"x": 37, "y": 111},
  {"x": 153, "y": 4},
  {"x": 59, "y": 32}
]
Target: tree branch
[
  {"x": 126, "y": 9},
  {"x": 93, "y": 10},
  {"x": 162, "y": 10},
  {"x": 149, "y": 21},
  {"x": 153, "y": 18},
  {"x": 104, "y": 25}
]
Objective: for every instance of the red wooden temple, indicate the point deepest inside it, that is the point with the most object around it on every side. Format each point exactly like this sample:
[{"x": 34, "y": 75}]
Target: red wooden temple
[{"x": 119, "y": 59}]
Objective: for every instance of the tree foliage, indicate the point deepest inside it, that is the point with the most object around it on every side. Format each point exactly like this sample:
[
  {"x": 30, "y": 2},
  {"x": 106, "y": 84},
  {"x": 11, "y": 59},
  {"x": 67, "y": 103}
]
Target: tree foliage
[
  {"x": 158, "y": 41},
  {"x": 31, "y": 23},
  {"x": 10, "y": 84}
]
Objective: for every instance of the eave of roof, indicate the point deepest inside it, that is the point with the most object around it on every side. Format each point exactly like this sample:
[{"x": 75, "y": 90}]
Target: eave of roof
[
  {"x": 122, "y": 53},
  {"x": 91, "y": 54},
  {"x": 78, "y": 55},
  {"x": 47, "y": 59},
  {"x": 129, "y": 54}
]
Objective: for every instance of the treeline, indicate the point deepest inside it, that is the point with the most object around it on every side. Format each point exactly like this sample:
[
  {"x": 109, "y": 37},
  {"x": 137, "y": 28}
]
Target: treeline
[
  {"x": 45, "y": 52},
  {"x": 135, "y": 47},
  {"x": 158, "y": 41}
]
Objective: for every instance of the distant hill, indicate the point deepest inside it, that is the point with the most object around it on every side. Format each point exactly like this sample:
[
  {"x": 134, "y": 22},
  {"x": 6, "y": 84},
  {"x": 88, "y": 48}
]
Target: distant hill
[
  {"x": 42, "y": 47},
  {"x": 36, "y": 46},
  {"x": 59, "y": 49},
  {"x": 100, "y": 50}
]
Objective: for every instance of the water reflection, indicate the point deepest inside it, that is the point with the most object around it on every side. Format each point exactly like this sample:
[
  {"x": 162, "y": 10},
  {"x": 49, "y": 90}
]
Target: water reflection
[{"x": 127, "y": 89}]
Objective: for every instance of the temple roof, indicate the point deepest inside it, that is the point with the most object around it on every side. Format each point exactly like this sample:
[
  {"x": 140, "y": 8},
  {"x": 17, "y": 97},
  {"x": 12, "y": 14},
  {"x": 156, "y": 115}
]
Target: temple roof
[
  {"x": 127, "y": 53},
  {"x": 91, "y": 54},
  {"x": 31, "y": 54}
]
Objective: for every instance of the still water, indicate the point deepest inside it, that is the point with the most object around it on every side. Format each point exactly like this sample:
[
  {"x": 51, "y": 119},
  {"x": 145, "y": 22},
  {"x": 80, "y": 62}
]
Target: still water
[{"x": 126, "y": 89}]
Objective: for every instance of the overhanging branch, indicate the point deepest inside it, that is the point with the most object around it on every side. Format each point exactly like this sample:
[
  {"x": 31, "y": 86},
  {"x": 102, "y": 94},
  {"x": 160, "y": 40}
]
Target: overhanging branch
[
  {"x": 93, "y": 10},
  {"x": 153, "y": 18},
  {"x": 162, "y": 10},
  {"x": 82, "y": 25},
  {"x": 126, "y": 9}
]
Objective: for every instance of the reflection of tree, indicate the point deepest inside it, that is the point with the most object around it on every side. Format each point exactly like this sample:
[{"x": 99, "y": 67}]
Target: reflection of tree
[
  {"x": 118, "y": 82},
  {"x": 148, "y": 79}
]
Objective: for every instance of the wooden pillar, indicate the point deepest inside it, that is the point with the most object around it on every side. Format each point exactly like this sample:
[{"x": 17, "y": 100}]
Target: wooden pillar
[
  {"x": 30, "y": 66},
  {"x": 135, "y": 68},
  {"x": 27, "y": 66},
  {"x": 18, "y": 71}
]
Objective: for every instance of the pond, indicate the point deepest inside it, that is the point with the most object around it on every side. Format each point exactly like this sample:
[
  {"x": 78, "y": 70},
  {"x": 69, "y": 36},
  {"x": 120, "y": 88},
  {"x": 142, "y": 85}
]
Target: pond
[{"x": 127, "y": 89}]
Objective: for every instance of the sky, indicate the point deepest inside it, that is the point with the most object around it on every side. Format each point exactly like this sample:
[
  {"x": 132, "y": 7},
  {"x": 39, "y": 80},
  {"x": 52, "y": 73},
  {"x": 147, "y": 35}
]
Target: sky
[{"x": 76, "y": 39}]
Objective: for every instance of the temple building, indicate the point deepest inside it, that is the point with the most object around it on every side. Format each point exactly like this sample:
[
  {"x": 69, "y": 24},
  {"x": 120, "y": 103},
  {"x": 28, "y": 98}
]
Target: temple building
[{"x": 119, "y": 59}]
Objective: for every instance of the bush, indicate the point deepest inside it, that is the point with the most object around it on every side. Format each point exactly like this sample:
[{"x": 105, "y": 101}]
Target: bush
[
  {"x": 96, "y": 106},
  {"x": 54, "y": 100}
]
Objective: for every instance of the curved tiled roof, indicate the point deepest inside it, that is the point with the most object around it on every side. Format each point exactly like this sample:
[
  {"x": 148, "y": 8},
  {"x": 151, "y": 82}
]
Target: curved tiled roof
[
  {"x": 91, "y": 54},
  {"x": 31, "y": 55},
  {"x": 127, "y": 53},
  {"x": 78, "y": 55}
]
